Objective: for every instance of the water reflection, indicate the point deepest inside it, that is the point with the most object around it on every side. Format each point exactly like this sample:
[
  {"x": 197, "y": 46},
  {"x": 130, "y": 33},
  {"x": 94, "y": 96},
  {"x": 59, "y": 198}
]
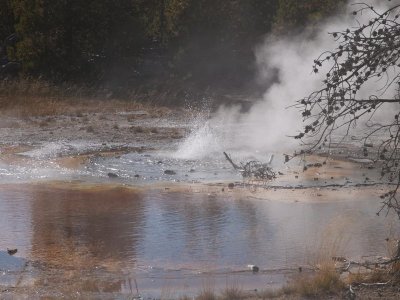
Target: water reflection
[
  {"x": 97, "y": 239},
  {"x": 102, "y": 223}
]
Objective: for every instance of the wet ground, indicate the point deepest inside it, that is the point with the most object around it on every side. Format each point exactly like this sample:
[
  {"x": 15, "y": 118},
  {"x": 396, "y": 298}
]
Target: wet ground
[{"x": 115, "y": 210}]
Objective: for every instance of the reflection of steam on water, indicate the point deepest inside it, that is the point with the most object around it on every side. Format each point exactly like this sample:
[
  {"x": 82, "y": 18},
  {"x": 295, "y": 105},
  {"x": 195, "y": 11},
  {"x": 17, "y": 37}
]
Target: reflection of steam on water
[{"x": 269, "y": 124}]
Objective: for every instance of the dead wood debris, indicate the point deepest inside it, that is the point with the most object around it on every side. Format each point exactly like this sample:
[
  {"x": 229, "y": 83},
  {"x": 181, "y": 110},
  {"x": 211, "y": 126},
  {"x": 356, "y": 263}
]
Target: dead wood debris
[{"x": 253, "y": 169}]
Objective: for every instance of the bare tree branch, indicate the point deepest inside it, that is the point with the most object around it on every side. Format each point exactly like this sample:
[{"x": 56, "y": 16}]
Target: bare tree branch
[{"x": 366, "y": 56}]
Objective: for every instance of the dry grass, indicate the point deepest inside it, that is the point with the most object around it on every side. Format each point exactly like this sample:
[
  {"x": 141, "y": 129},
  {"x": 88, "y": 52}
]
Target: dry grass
[
  {"x": 325, "y": 281},
  {"x": 232, "y": 293},
  {"x": 332, "y": 242},
  {"x": 317, "y": 285},
  {"x": 370, "y": 276},
  {"x": 207, "y": 294},
  {"x": 28, "y": 97},
  {"x": 273, "y": 293}
]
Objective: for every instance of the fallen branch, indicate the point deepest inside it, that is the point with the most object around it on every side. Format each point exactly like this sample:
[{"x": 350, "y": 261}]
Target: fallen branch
[
  {"x": 235, "y": 166},
  {"x": 375, "y": 283},
  {"x": 253, "y": 169}
]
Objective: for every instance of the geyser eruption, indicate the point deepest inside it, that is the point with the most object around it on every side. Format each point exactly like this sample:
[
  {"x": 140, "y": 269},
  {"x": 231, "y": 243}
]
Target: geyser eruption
[
  {"x": 272, "y": 121},
  {"x": 269, "y": 123},
  {"x": 211, "y": 134}
]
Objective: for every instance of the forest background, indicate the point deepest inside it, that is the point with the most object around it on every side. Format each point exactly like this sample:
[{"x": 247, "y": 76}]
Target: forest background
[{"x": 176, "y": 50}]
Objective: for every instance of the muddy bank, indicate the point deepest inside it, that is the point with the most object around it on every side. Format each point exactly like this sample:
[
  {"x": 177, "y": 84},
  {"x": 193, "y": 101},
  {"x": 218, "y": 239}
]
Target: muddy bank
[{"x": 101, "y": 127}]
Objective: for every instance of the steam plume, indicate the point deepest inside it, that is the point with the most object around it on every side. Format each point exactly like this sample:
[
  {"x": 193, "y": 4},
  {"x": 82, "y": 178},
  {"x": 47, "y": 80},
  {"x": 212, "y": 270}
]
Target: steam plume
[{"x": 268, "y": 125}]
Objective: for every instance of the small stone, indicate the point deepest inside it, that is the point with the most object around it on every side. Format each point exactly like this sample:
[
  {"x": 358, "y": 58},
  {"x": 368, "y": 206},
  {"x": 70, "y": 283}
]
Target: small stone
[
  {"x": 112, "y": 175},
  {"x": 253, "y": 268},
  {"x": 231, "y": 185},
  {"x": 12, "y": 251},
  {"x": 169, "y": 172},
  {"x": 136, "y": 176}
]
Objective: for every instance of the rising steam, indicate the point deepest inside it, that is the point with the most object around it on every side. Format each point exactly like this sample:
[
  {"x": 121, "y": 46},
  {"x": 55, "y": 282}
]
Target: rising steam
[{"x": 271, "y": 121}]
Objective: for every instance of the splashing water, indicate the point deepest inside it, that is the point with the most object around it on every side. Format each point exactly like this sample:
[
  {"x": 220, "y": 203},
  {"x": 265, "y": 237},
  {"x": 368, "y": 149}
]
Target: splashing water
[
  {"x": 197, "y": 145},
  {"x": 213, "y": 134}
]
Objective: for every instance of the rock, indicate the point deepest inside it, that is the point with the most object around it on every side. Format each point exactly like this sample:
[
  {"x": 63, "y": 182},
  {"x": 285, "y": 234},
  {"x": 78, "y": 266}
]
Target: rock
[
  {"x": 169, "y": 172},
  {"x": 253, "y": 268},
  {"x": 231, "y": 185},
  {"x": 112, "y": 175},
  {"x": 12, "y": 251}
]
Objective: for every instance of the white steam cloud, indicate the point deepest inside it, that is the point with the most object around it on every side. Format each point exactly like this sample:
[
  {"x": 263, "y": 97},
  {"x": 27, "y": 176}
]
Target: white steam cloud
[{"x": 268, "y": 125}]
